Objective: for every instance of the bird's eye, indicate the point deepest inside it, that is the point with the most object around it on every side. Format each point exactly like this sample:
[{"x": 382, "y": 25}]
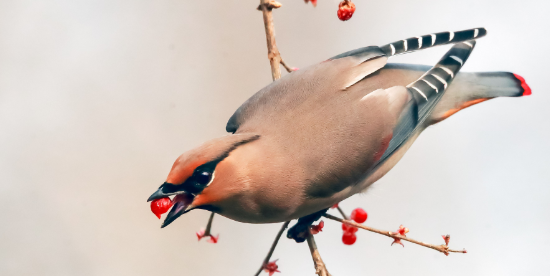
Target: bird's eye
[{"x": 203, "y": 178}]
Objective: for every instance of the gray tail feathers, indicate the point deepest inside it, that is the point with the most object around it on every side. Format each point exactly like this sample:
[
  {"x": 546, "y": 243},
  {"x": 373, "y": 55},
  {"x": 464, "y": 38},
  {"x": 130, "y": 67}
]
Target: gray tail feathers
[
  {"x": 495, "y": 84},
  {"x": 472, "y": 88},
  {"x": 429, "y": 89}
]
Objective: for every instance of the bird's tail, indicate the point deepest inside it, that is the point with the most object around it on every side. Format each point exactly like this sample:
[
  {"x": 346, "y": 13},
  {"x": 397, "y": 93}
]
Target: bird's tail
[{"x": 472, "y": 88}]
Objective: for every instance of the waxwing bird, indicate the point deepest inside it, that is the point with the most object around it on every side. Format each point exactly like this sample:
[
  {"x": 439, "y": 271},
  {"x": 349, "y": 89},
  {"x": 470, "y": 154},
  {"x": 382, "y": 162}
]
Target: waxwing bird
[{"x": 324, "y": 133}]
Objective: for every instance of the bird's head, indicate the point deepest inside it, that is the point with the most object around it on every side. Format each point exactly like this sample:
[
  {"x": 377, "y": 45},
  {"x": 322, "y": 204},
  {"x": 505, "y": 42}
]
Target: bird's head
[{"x": 200, "y": 178}]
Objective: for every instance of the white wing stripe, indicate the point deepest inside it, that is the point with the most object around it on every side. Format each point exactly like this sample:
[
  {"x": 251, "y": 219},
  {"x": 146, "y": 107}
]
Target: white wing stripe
[
  {"x": 418, "y": 90},
  {"x": 441, "y": 80},
  {"x": 431, "y": 85},
  {"x": 448, "y": 71},
  {"x": 457, "y": 59}
]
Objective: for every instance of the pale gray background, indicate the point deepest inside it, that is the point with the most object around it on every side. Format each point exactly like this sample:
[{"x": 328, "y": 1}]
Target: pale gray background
[{"x": 98, "y": 98}]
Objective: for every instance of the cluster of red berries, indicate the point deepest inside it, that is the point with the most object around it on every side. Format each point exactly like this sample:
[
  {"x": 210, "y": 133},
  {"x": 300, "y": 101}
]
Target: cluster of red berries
[
  {"x": 346, "y": 9},
  {"x": 358, "y": 215}
]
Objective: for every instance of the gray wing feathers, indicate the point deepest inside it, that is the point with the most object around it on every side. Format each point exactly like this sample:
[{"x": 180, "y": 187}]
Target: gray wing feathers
[
  {"x": 425, "y": 94},
  {"x": 362, "y": 54},
  {"x": 346, "y": 69},
  {"x": 405, "y": 126},
  {"x": 428, "y": 41}
]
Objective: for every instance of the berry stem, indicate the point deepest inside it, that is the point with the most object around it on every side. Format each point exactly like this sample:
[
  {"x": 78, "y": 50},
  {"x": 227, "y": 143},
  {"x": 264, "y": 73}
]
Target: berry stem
[
  {"x": 209, "y": 225},
  {"x": 320, "y": 268},
  {"x": 441, "y": 248},
  {"x": 268, "y": 257},
  {"x": 342, "y": 213}
]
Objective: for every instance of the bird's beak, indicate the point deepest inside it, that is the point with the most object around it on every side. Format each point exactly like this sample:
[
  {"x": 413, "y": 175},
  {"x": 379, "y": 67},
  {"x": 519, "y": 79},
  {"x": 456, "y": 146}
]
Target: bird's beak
[
  {"x": 182, "y": 204},
  {"x": 158, "y": 194},
  {"x": 168, "y": 189}
]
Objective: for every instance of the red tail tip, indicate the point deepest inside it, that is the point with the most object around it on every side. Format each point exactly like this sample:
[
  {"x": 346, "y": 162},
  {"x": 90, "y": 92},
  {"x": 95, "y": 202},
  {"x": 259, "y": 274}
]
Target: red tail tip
[{"x": 526, "y": 88}]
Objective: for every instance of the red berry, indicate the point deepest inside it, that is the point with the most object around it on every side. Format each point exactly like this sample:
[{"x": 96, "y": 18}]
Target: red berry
[
  {"x": 349, "y": 228},
  {"x": 359, "y": 215},
  {"x": 349, "y": 238},
  {"x": 346, "y": 10},
  {"x": 161, "y": 206}
]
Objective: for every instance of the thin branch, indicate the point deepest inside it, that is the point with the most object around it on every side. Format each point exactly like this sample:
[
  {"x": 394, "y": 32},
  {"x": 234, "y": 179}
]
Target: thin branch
[
  {"x": 441, "y": 248},
  {"x": 288, "y": 69},
  {"x": 320, "y": 267},
  {"x": 266, "y": 6},
  {"x": 342, "y": 213},
  {"x": 277, "y": 238},
  {"x": 209, "y": 225}
]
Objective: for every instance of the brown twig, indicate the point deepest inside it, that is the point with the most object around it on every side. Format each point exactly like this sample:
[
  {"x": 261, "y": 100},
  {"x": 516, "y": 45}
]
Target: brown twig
[
  {"x": 441, "y": 248},
  {"x": 277, "y": 238},
  {"x": 266, "y": 6},
  {"x": 320, "y": 267},
  {"x": 288, "y": 69}
]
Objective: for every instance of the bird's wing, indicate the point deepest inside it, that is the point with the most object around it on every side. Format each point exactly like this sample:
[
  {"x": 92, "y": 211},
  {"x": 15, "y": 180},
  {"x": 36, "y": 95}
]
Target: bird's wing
[
  {"x": 319, "y": 82},
  {"x": 426, "y": 93}
]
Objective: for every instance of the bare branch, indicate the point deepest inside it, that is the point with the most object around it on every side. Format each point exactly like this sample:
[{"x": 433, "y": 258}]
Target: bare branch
[
  {"x": 320, "y": 267},
  {"x": 441, "y": 248},
  {"x": 273, "y": 54},
  {"x": 288, "y": 69},
  {"x": 277, "y": 238}
]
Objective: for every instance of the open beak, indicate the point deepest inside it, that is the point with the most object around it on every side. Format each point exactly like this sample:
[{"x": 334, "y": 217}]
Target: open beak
[{"x": 182, "y": 202}]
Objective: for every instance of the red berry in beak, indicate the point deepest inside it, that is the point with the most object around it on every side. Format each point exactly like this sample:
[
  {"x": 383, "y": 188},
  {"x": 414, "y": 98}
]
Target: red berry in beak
[
  {"x": 359, "y": 215},
  {"x": 161, "y": 206},
  {"x": 346, "y": 10}
]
